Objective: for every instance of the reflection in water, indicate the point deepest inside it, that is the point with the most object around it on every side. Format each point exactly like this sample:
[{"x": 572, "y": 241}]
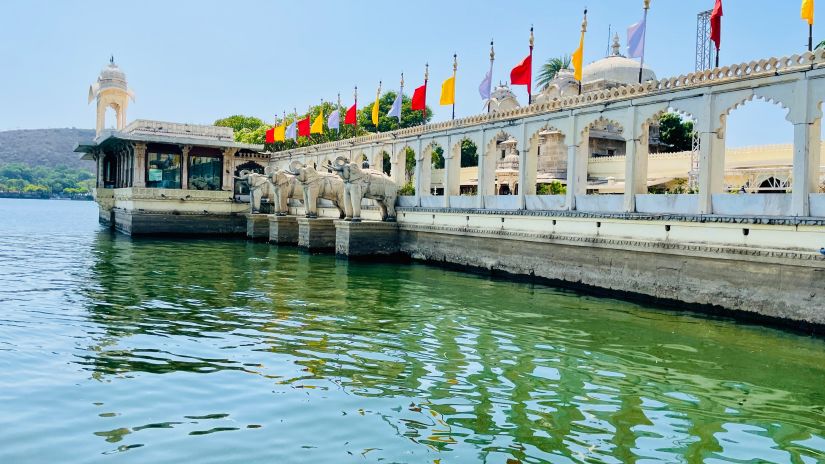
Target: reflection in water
[{"x": 233, "y": 351}]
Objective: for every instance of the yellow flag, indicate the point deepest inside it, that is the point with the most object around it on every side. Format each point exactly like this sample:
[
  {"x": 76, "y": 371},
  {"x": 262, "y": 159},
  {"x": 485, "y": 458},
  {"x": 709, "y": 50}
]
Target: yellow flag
[
  {"x": 375, "y": 113},
  {"x": 808, "y": 11},
  {"x": 578, "y": 59},
  {"x": 318, "y": 125},
  {"x": 279, "y": 133},
  {"x": 448, "y": 92}
]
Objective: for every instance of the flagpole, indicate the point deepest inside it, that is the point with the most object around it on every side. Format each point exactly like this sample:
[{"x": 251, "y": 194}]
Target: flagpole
[
  {"x": 810, "y": 37},
  {"x": 295, "y": 120},
  {"x": 455, "y": 68},
  {"x": 584, "y": 29},
  {"x": 426, "y": 78},
  {"x": 338, "y": 108},
  {"x": 402, "y": 100},
  {"x": 530, "y": 84},
  {"x": 492, "y": 58},
  {"x": 377, "y": 98},
  {"x": 644, "y": 41},
  {"x": 355, "y": 126}
]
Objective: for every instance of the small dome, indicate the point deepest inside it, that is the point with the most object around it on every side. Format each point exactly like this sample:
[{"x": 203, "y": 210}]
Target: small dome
[
  {"x": 616, "y": 68},
  {"x": 503, "y": 99},
  {"x": 112, "y": 76}
]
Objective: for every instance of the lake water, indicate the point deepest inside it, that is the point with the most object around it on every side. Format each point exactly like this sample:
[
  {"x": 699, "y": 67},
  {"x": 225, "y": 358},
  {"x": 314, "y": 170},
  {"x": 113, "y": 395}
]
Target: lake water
[{"x": 115, "y": 349}]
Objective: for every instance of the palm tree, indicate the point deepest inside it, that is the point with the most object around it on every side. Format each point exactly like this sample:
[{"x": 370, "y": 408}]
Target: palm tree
[
  {"x": 551, "y": 68},
  {"x": 820, "y": 45}
]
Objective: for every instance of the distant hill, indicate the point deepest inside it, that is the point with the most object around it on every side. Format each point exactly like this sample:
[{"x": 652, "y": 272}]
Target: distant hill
[{"x": 44, "y": 147}]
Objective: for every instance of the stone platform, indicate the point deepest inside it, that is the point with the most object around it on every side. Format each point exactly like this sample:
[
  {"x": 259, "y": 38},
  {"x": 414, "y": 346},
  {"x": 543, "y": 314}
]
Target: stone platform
[
  {"x": 367, "y": 239},
  {"x": 257, "y": 226},
  {"x": 283, "y": 230},
  {"x": 316, "y": 234}
]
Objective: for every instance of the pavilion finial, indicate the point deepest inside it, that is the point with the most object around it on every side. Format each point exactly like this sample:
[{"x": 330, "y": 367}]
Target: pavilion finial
[{"x": 112, "y": 59}]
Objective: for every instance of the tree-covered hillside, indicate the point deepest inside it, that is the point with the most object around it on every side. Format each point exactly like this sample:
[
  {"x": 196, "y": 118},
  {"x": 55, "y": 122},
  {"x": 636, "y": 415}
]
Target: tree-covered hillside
[
  {"x": 42, "y": 162},
  {"x": 44, "y": 147}
]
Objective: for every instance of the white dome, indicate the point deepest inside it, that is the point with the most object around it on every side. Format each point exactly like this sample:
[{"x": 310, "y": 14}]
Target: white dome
[
  {"x": 112, "y": 76},
  {"x": 616, "y": 69}
]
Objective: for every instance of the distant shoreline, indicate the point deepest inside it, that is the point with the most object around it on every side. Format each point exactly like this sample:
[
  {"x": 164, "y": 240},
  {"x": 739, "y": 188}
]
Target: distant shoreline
[{"x": 36, "y": 196}]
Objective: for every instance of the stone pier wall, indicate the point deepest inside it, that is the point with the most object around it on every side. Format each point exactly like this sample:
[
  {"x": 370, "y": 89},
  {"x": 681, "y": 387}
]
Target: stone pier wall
[{"x": 782, "y": 285}]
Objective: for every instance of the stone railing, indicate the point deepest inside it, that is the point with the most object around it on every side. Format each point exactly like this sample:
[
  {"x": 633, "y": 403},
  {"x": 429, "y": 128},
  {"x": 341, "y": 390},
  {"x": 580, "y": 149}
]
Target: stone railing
[
  {"x": 147, "y": 127},
  {"x": 716, "y": 76}
]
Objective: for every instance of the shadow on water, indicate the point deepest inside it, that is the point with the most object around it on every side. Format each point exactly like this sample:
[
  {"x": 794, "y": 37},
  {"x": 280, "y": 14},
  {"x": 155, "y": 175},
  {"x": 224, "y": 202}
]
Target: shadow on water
[{"x": 456, "y": 366}]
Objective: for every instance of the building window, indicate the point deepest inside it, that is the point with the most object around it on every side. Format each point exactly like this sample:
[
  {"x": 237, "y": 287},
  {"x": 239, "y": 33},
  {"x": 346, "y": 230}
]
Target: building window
[
  {"x": 205, "y": 172},
  {"x": 163, "y": 170},
  {"x": 611, "y": 152}
]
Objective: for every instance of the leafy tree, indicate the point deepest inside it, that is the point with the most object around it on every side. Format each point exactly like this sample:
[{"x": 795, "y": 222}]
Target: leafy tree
[
  {"x": 240, "y": 122},
  {"x": 34, "y": 188},
  {"x": 551, "y": 68},
  {"x": 553, "y": 188},
  {"x": 410, "y": 164},
  {"x": 437, "y": 157},
  {"x": 252, "y": 130},
  {"x": 386, "y": 163},
  {"x": 469, "y": 154},
  {"x": 19, "y": 177},
  {"x": 675, "y": 132}
]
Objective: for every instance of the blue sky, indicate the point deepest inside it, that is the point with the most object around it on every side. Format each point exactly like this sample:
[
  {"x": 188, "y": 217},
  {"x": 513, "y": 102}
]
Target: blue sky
[{"x": 196, "y": 61}]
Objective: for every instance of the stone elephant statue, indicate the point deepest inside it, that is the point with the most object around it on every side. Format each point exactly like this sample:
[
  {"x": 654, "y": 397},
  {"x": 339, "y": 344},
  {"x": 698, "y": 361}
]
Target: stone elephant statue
[
  {"x": 363, "y": 183},
  {"x": 259, "y": 187},
  {"x": 318, "y": 185},
  {"x": 284, "y": 186}
]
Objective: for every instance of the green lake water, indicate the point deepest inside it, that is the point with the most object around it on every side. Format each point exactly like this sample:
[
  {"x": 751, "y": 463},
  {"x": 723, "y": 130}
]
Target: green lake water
[{"x": 115, "y": 349}]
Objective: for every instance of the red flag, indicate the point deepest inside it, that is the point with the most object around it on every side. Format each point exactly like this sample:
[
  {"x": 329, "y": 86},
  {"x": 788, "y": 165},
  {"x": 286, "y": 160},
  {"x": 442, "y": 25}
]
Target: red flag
[
  {"x": 303, "y": 127},
  {"x": 716, "y": 24},
  {"x": 522, "y": 74},
  {"x": 270, "y": 135},
  {"x": 351, "y": 118},
  {"x": 419, "y": 99}
]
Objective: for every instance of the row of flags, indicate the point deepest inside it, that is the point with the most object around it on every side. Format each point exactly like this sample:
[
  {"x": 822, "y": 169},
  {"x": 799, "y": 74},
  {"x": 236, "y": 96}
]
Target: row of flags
[{"x": 521, "y": 74}]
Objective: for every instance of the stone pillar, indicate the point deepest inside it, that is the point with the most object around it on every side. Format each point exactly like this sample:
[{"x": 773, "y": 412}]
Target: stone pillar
[
  {"x": 637, "y": 147},
  {"x": 140, "y": 165},
  {"x": 101, "y": 118},
  {"x": 481, "y": 172},
  {"x": 228, "y": 168},
  {"x": 398, "y": 172},
  {"x": 530, "y": 160},
  {"x": 184, "y": 167},
  {"x": 577, "y": 156},
  {"x": 100, "y": 173},
  {"x": 418, "y": 173},
  {"x": 452, "y": 171},
  {"x": 711, "y": 155},
  {"x": 711, "y": 168},
  {"x": 806, "y": 160},
  {"x": 806, "y": 118},
  {"x": 118, "y": 170},
  {"x": 423, "y": 171}
]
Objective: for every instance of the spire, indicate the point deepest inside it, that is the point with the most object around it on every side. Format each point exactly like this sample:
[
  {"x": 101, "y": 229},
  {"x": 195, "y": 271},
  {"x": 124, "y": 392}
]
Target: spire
[{"x": 617, "y": 47}]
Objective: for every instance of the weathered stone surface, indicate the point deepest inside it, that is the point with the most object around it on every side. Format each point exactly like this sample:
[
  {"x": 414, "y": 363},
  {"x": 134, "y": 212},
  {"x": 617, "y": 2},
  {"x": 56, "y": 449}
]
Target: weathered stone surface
[
  {"x": 149, "y": 223},
  {"x": 782, "y": 289},
  {"x": 283, "y": 230},
  {"x": 257, "y": 226},
  {"x": 316, "y": 234},
  {"x": 366, "y": 239}
]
